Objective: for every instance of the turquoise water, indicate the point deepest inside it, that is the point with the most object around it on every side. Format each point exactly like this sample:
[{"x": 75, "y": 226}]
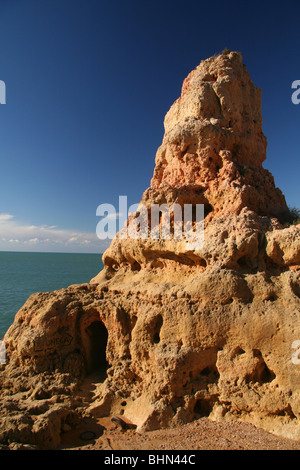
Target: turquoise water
[{"x": 22, "y": 274}]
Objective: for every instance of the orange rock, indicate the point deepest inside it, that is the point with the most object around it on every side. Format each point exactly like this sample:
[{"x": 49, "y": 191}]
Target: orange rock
[{"x": 169, "y": 332}]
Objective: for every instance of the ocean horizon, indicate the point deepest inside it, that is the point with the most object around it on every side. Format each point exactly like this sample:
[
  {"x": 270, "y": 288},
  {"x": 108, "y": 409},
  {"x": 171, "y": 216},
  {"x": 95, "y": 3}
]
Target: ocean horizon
[{"x": 23, "y": 273}]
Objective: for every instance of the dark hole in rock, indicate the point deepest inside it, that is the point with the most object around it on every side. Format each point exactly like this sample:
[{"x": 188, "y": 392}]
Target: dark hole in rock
[
  {"x": 257, "y": 353},
  {"x": 184, "y": 151},
  {"x": 238, "y": 351},
  {"x": 157, "y": 264},
  {"x": 296, "y": 288},
  {"x": 209, "y": 78},
  {"x": 287, "y": 411},
  {"x": 272, "y": 298},
  {"x": 211, "y": 372},
  {"x": 227, "y": 301},
  {"x": 157, "y": 328},
  {"x": 203, "y": 408},
  {"x": 156, "y": 338},
  {"x": 208, "y": 208},
  {"x": 242, "y": 262},
  {"x": 96, "y": 353},
  {"x": 267, "y": 375},
  {"x": 135, "y": 266},
  {"x": 87, "y": 435},
  {"x": 262, "y": 374}
]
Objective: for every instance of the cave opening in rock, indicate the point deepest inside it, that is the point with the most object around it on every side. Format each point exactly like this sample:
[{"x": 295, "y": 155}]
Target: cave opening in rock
[
  {"x": 96, "y": 348},
  {"x": 203, "y": 408}
]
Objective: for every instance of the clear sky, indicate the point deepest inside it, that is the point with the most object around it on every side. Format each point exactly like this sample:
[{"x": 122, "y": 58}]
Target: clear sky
[{"x": 88, "y": 83}]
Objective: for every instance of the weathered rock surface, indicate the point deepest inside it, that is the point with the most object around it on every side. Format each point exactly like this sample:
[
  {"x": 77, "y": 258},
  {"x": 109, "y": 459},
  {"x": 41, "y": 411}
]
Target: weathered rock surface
[{"x": 176, "y": 333}]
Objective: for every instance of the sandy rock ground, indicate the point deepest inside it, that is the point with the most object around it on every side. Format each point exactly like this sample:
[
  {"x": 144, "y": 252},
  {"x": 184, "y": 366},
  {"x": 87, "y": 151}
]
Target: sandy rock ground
[
  {"x": 101, "y": 433},
  {"x": 201, "y": 434},
  {"x": 106, "y": 434}
]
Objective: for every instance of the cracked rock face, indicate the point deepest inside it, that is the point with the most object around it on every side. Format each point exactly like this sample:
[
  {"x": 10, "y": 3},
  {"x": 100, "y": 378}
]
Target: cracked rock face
[{"x": 175, "y": 333}]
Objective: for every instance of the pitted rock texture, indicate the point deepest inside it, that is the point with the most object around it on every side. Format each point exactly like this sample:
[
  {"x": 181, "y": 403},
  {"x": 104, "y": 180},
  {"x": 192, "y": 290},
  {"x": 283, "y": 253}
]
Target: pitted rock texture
[
  {"x": 213, "y": 138},
  {"x": 212, "y": 154},
  {"x": 171, "y": 333}
]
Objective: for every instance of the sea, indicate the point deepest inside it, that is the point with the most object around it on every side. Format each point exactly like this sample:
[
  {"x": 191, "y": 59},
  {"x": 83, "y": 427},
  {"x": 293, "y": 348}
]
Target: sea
[{"x": 22, "y": 274}]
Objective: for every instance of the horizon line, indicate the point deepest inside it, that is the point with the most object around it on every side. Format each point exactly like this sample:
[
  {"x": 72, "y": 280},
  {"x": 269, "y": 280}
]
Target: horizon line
[{"x": 53, "y": 252}]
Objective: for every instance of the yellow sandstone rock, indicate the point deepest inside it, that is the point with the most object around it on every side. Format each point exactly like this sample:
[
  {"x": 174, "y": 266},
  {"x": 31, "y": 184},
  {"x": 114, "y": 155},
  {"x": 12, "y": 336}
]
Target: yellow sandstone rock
[{"x": 176, "y": 333}]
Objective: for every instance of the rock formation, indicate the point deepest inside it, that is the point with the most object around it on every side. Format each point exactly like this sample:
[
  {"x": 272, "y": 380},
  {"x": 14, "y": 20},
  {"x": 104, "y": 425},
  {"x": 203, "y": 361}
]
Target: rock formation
[{"x": 177, "y": 333}]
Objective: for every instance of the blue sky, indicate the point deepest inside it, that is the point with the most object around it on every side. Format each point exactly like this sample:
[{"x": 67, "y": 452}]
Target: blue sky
[{"x": 88, "y": 84}]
